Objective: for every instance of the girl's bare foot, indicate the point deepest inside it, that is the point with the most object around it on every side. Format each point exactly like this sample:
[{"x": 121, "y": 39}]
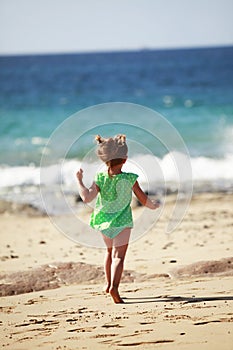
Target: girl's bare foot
[
  {"x": 106, "y": 288},
  {"x": 115, "y": 295}
]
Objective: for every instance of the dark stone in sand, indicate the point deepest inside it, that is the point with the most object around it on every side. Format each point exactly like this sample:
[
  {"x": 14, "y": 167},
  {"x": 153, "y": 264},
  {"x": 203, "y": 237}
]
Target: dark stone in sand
[
  {"x": 42, "y": 242},
  {"x": 78, "y": 198},
  {"x": 19, "y": 208}
]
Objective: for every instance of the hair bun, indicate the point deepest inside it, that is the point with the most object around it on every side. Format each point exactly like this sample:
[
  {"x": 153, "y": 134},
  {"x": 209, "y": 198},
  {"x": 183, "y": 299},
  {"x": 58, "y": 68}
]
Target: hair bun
[
  {"x": 99, "y": 139},
  {"x": 112, "y": 147},
  {"x": 121, "y": 138}
]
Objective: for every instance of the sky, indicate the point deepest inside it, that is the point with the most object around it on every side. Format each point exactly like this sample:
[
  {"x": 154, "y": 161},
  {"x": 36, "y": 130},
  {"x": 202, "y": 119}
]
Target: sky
[{"x": 65, "y": 26}]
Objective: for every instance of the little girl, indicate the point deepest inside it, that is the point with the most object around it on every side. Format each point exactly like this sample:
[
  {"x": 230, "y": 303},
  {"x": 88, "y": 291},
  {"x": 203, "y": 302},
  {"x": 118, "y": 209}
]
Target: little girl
[{"x": 112, "y": 215}]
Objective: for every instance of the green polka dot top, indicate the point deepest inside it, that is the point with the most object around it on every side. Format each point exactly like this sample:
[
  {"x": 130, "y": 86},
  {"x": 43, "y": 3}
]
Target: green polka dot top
[{"x": 112, "y": 211}]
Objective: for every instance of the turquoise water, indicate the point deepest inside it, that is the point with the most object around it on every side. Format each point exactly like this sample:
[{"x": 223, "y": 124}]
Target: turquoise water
[{"x": 191, "y": 88}]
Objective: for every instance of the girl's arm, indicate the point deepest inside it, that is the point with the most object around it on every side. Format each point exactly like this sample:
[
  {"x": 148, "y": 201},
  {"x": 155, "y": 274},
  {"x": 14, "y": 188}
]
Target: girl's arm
[
  {"x": 86, "y": 194},
  {"x": 143, "y": 198}
]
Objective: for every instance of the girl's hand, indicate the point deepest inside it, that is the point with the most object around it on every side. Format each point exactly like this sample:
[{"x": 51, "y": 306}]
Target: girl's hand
[
  {"x": 79, "y": 174},
  {"x": 156, "y": 203}
]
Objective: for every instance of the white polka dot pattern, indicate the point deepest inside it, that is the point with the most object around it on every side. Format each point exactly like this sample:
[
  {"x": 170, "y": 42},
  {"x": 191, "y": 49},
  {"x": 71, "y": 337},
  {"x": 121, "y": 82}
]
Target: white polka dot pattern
[{"x": 112, "y": 212}]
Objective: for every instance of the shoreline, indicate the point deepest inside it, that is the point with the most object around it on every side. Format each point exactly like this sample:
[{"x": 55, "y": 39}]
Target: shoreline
[{"x": 34, "y": 208}]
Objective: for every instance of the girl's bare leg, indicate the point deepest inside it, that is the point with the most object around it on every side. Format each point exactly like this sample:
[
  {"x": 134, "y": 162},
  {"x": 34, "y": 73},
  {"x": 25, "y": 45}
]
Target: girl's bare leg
[
  {"x": 107, "y": 268},
  {"x": 108, "y": 262},
  {"x": 120, "y": 245}
]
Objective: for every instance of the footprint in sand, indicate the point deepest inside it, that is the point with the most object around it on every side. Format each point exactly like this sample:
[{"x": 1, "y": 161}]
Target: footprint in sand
[
  {"x": 111, "y": 325},
  {"x": 83, "y": 330}
]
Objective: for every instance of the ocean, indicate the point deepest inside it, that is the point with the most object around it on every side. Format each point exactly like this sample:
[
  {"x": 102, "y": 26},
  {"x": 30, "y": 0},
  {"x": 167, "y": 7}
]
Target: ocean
[{"x": 191, "y": 88}]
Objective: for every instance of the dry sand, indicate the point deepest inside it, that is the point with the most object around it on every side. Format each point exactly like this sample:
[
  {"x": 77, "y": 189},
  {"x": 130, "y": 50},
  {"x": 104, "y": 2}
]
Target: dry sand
[{"x": 177, "y": 288}]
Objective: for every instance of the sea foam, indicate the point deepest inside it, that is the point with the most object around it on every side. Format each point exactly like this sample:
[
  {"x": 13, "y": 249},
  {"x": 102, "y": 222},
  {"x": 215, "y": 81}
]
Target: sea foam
[
  {"x": 57, "y": 184},
  {"x": 149, "y": 168}
]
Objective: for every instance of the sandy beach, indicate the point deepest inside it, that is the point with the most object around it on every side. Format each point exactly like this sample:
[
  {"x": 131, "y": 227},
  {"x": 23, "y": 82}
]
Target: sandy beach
[{"x": 177, "y": 288}]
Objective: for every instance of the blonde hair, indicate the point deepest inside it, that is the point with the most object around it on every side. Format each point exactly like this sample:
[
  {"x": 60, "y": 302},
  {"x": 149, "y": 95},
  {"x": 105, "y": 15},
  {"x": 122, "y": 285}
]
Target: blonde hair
[{"x": 112, "y": 150}]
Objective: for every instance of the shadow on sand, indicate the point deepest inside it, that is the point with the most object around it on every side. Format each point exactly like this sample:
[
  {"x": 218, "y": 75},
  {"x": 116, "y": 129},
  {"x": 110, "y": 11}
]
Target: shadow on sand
[{"x": 172, "y": 299}]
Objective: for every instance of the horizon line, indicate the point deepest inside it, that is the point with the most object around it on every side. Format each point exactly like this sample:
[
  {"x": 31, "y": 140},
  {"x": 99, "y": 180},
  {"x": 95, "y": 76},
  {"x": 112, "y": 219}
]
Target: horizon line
[{"x": 106, "y": 51}]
